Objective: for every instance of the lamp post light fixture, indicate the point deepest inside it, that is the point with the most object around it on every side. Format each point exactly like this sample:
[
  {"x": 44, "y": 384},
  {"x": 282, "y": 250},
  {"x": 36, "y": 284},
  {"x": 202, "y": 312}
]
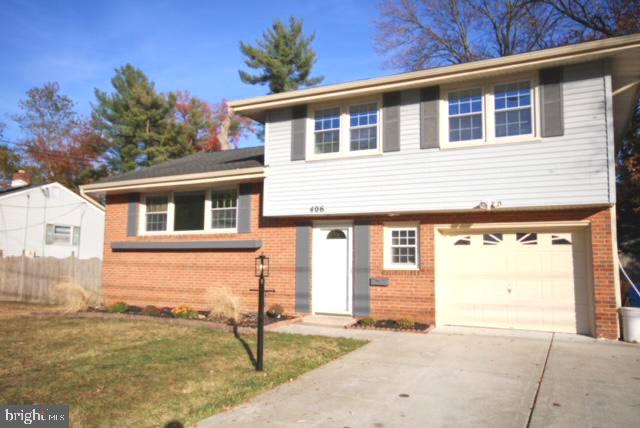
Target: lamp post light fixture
[{"x": 262, "y": 271}]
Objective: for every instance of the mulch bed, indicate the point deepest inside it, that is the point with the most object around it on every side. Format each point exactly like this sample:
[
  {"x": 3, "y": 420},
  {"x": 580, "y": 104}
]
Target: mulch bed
[
  {"x": 247, "y": 324},
  {"x": 391, "y": 325}
]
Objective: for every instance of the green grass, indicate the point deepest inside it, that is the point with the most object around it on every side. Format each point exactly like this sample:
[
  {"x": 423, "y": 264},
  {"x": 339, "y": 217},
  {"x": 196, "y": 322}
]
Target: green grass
[{"x": 125, "y": 373}]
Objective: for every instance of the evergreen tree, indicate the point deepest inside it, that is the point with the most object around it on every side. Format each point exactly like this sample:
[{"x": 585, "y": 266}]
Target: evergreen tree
[
  {"x": 136, "y": 120},
  {"x": 284, "y": 56}
]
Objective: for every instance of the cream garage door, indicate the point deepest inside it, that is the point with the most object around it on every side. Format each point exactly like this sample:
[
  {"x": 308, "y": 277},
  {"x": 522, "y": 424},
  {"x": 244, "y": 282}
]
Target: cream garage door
[{"x": 532, "y": 280}]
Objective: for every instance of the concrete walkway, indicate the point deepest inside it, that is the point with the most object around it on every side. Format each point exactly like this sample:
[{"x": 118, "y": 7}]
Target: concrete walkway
[{"x": 456, "y": 377}]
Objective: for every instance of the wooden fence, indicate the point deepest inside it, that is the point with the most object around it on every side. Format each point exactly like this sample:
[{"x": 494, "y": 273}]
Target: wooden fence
[{"x": 26, "y": 279}]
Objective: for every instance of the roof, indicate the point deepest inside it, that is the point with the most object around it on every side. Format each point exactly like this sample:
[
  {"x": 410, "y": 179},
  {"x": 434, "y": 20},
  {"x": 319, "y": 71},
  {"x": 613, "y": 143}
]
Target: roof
[
  {"x": 582, "y": 52},
  {"x": 225, "y": 160},
  {"x": 8, "y": 190}
]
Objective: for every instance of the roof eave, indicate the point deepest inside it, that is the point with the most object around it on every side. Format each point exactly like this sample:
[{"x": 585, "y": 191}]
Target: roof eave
[{"x": 255, "y": 107}]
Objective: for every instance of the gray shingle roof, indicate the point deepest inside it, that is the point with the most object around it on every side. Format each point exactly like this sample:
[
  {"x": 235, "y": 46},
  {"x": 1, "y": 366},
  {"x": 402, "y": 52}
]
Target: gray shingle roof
[{"x": 197, "y": 163}]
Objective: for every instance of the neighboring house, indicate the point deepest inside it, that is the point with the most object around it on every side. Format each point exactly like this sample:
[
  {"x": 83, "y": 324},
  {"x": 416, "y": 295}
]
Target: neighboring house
[
  {"x": 49, "y": 221},
  {"x": 480, "y": 194}
]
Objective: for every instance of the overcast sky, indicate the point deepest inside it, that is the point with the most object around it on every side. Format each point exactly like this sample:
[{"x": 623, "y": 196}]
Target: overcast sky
[{"x": 180, "y": 45}]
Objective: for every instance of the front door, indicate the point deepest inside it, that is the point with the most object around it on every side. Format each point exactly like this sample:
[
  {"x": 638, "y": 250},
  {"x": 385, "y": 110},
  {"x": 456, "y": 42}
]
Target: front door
[{"x": 332, "y": 269}]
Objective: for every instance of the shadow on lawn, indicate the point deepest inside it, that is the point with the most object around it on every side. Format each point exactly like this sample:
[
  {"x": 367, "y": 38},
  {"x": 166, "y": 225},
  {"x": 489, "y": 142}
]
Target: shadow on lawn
[{"x": 245, "y": 345}]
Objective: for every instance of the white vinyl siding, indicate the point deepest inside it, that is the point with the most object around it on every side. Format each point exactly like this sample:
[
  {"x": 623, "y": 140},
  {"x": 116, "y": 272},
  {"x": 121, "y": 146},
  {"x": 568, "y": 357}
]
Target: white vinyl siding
[{"x": 561, "y": 171}]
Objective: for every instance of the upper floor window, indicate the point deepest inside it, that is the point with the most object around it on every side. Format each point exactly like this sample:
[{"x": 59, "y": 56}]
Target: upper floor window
[
  {"x": 347, "y": 129},
  {"x": 465, "y": 115},
  {"x": 327, "y": 130},
  {"x": 195, "y": 211},
  {"x": 488, "y": 113},
  {"x": 363, "y": 122},
  {"x": 513, "y": 109}
]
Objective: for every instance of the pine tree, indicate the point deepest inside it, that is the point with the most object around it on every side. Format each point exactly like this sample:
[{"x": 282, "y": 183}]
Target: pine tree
[
  {"x": 136, "y": 120},
  {"x": 285, "y": 57}
]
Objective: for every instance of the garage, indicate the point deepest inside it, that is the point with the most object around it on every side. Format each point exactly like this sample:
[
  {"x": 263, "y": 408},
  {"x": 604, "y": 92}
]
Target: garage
[{"x": 530, "y": 279}]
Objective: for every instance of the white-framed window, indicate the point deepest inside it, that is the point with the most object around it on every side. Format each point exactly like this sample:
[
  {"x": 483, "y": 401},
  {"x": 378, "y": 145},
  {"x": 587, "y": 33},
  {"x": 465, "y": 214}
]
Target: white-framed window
[
  {"x": 327, "y": 130},
  {"x": 58, "y": 234},
  {"x": 350, "y": 128},
  {"x": 513, "y": 109},
  {"x": 224, "y": 209},
  {"x": 363, "y": 126},
  {"x": 466, "y": 115},
  {"x": 157, "y": 213},
  {"x": 185, "y": 212},
  {"x": 401, "y": 247},
  {"x": 489, "y": 112}
]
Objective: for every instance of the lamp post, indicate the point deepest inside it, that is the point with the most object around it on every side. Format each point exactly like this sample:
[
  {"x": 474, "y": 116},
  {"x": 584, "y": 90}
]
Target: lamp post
[{"x": 262, "y": 271}]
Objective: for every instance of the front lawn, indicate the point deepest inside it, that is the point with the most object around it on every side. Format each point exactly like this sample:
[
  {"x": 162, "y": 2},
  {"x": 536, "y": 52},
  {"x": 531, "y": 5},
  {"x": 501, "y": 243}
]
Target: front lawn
[{"x": 127, "y": 373}]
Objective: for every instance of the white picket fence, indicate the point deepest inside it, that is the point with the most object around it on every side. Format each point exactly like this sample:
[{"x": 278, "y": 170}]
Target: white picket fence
[{"x": 31, "y": 279}]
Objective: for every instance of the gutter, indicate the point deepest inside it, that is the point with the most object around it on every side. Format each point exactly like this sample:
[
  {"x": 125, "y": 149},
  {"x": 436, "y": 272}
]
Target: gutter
[
  {"x": 548, "y": 57},
  {"x": 247, "y": 174}
]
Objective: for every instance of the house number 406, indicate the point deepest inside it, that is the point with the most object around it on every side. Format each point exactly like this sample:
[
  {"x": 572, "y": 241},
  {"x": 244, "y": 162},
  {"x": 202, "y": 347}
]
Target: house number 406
[{"x": 317, "y": 209}]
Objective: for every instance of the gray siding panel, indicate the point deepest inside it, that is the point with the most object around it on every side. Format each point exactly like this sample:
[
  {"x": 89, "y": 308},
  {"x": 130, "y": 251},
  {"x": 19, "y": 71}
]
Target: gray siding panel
[
  {"x": 555, "y": 171},
  {"x": 429, "y": 126},
  {"x": 391, "y": 121},
  {"x": 244, "y": 208},
  {"x": 132, "y": 214},
  {"x": 298, "y": 132},
  {"x": 551, "y": 102},
  {"x": 303, "y": 269},
  {"x": 362, "y": 270}
]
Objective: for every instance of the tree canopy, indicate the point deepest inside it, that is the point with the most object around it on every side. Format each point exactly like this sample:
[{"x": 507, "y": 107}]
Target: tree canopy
[{"x": 284, "y": 57}]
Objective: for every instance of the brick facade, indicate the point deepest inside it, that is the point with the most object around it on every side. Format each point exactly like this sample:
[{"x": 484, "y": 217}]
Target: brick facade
[{"x": 169, "y": 278}]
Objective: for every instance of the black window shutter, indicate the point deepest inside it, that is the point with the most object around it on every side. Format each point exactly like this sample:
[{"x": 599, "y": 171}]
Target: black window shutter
[
  {"x": 391, "y": 122},
  {"x": 429, "y": 109},
  {"x": 551, "y": 102},
  {"x": 244, "y": 208},
  {"x": 132, "y": 214},
  {"x": 298, "y": 132}
]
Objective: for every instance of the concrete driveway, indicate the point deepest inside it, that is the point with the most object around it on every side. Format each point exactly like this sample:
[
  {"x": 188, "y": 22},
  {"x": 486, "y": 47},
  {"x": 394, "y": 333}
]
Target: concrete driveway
[{"x": 457, "y": 377}]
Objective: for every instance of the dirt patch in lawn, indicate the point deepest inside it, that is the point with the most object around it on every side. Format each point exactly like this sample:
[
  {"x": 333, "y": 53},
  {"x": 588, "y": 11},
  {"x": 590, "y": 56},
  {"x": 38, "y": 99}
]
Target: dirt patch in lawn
[{"x": 122, "y": 372}]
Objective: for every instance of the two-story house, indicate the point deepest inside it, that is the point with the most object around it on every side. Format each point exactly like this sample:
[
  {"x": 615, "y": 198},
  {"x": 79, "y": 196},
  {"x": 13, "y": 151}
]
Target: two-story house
[{"x": 480, "y": 194}]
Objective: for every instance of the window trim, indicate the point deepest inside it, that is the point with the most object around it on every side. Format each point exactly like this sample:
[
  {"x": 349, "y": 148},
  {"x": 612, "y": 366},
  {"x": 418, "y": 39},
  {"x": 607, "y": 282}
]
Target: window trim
[
  {"x": 390, "y": 227},
  {"x": 142, "y": 221},
  {"x": 69, "y": 243},
  {"x": 488, "y": 103},
  {"x": 345, "y": 129}
]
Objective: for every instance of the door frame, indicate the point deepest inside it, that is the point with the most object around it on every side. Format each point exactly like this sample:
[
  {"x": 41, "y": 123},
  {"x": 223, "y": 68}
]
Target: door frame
[
  {"x": 442, "y": 230},
  {"x": 342, "y": 224}
]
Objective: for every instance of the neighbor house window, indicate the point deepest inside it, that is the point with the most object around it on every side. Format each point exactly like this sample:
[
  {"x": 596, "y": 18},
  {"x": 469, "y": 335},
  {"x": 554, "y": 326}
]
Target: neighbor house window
[
  {"x": 327, "y": 130},
  {"x": 224, "y": 206},
  {"x": 157, "y": 208},
  {"x": 513, "y": 109},
  {"x": 401, "y": 247},
  {"x": 363, "y": 126},
  {"x": 465, "y": 115},
  {"x": 189, "y": 211},
  {"x": 62, "y": 235}
]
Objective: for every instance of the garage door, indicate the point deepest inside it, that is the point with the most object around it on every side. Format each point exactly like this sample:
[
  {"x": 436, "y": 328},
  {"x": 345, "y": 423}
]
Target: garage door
[{"x": 532, "y": 280}]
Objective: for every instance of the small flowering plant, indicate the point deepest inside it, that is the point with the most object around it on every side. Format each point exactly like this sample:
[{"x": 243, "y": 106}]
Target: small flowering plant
[{"x": 184, "y": 311}]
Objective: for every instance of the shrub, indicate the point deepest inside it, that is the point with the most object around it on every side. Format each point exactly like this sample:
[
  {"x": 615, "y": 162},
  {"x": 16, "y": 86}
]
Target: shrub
[
  {"x": 275, "y": 311},
  {"x": 223, "y": 304},
  {"x": 184, "y": 311},
  {"x": 118, "y": 308},
  {"x": 368, "y": 322},
  {"x": 71, "y": 297},
  {"x": 151, "y": 311},
  {"x": 406, "y": 324}
]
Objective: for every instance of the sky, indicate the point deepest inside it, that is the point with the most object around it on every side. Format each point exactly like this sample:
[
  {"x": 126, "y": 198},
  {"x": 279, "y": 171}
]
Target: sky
[{"x": 180, "y": 45}]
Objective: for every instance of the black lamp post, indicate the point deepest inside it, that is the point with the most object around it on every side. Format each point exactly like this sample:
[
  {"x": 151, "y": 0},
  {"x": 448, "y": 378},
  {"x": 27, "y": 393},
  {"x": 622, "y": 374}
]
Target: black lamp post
[{"x": 262, "y": 271}]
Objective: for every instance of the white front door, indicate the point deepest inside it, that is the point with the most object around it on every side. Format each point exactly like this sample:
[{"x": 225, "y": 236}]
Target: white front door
[
  {"x": 531, "y": 279},
  {"x": 332, "y": 269}
]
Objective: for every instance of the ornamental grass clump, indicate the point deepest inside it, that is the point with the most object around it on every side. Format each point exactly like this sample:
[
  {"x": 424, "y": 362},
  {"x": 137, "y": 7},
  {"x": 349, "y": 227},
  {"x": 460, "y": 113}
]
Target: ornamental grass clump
[
  {"x": 71, "y": 297},
  {"x": 223, "y": 304}
]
